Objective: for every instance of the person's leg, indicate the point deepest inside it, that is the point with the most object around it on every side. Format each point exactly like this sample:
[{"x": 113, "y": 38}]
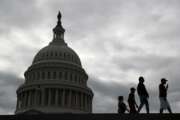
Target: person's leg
[
  {"x": 130, "y": 108},
  {"x": 161, "y": 110},
  {"x": 161, "y": 99},
  {"x": 147, "y": 105},
  {"x": 133, "y": 109},
  {"x": 140, "y": 107},
  {"x": 169, "y": 109},
  {"x": 168, "y": 106},
  {"x": 141, "y": 103}
]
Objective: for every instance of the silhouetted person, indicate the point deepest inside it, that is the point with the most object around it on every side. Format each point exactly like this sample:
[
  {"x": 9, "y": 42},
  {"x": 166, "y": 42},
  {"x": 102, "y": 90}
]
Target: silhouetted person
[
  {"x": 164, "y": 104},
  {"x": 122, "y": 108},
  {"x": 132, "y": 101},
  {"x": 143, "y": 95}
]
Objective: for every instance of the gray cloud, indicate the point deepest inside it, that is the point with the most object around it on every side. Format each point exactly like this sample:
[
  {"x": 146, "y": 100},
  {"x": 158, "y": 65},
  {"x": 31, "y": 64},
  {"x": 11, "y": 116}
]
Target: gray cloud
[
  {"x": 21, "y": 13},
  {"x": 8, "y": 85},
  {"x": 106, "y": 94},
  {"x": 143, "y": 63},
  {"x": 116, "y": 40}
]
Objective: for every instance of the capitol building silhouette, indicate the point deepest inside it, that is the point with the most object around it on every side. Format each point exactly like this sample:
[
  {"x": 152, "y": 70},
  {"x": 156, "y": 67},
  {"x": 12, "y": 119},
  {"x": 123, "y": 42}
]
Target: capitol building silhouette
[{"x": 56, "y": 81}]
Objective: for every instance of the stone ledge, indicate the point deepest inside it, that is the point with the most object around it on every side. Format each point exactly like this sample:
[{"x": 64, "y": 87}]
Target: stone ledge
[{"x": 91, "y": 117}]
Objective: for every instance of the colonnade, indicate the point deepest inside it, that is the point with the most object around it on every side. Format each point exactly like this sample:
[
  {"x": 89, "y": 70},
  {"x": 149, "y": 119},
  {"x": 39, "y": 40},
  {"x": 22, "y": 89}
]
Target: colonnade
[
  {"x": 56, "y": 75},
  {"x": 56, "y": 97}
]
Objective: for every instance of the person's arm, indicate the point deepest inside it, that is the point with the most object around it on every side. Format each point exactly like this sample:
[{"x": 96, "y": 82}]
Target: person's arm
[
  {"x": 135, "y": 101},
  {"x": 137, "y": 89},
  {"x": 136, "y": 104},
  {"x": 146, "y": 92},
  {"x": 127, "y": 109},
  {"x": 167, "y": 87}
]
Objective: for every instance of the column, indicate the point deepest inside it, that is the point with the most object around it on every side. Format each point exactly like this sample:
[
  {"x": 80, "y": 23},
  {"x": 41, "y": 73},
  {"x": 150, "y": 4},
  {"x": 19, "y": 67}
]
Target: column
[
  {"x": 43, "y": 75},
  {"x": 57, "y": 75},
  {"x": 82, "y": 106},
  {"x": 21, "y": 104},
  {"x": 19, "y": 101},
  {"x": 40, "y": 76},
  {"x": 69, "y": 98},
  {"x": 85, "y": 100},
  {"x": 35, "y": 75},
  {"x": 29, "y": 98},
  {"x": 88, "y": 103},
  {"x": 76, "y": 97},
  {"x": 91, "y": 104},
  {"x": 49, "y": 97},
  {"x": 42, "y": 96},
  {"x": 72, "y": 76},
  {"x": 77, "y": 100},
  {"x": 24, "y": 103},
  {"x": 32, "y": 97},
  {"x": 38, "y": 95},
  {"x": 63, "y": 97},
  {"x": 22, "y": 100},
  {"x": 56, "y": 97},
  {"x": 46, "y": 75},
  {"x": 63, "y": 75},
  {"x": 35, "y": 97},
  {"x": 27, "y": 103},
  {"x": 54, "y": 75},
  {"x": 67, "y": 75}
]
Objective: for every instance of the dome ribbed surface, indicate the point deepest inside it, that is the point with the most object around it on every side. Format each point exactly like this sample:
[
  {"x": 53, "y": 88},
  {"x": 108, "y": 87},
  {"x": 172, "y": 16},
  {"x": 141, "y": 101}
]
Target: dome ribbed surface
[{"x": 57, "y": 52}]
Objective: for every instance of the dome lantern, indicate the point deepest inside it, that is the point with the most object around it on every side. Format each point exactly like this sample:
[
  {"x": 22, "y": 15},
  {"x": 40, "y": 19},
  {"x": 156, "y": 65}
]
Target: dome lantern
[{"x": 58, "y": 31}]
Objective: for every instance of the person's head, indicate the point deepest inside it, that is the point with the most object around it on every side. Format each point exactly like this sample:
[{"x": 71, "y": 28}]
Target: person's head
[
  {"x": 120, "y": 98},
  {"x": 132, "y": 90},
  {"x": 163, "y": 81},
  {"x": 141, "y": 79}
]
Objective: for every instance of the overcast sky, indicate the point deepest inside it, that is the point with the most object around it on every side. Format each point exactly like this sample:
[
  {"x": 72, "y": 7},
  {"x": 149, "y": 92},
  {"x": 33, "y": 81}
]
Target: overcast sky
[{"x": 116, "y": 40}]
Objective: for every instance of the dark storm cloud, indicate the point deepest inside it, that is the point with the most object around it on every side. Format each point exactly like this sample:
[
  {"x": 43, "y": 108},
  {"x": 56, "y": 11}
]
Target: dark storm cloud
[
  {"x": 8, "y": 85},
  {"x": 9, "y": 79}
]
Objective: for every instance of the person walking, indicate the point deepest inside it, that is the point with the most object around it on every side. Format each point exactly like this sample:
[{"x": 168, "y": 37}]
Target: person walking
[
  {"x": 122, "y": 108},
  {"x": 164, "y": 104},
  {"x": 143, "y": 95},
  {"x": 132, "y": 101}
]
